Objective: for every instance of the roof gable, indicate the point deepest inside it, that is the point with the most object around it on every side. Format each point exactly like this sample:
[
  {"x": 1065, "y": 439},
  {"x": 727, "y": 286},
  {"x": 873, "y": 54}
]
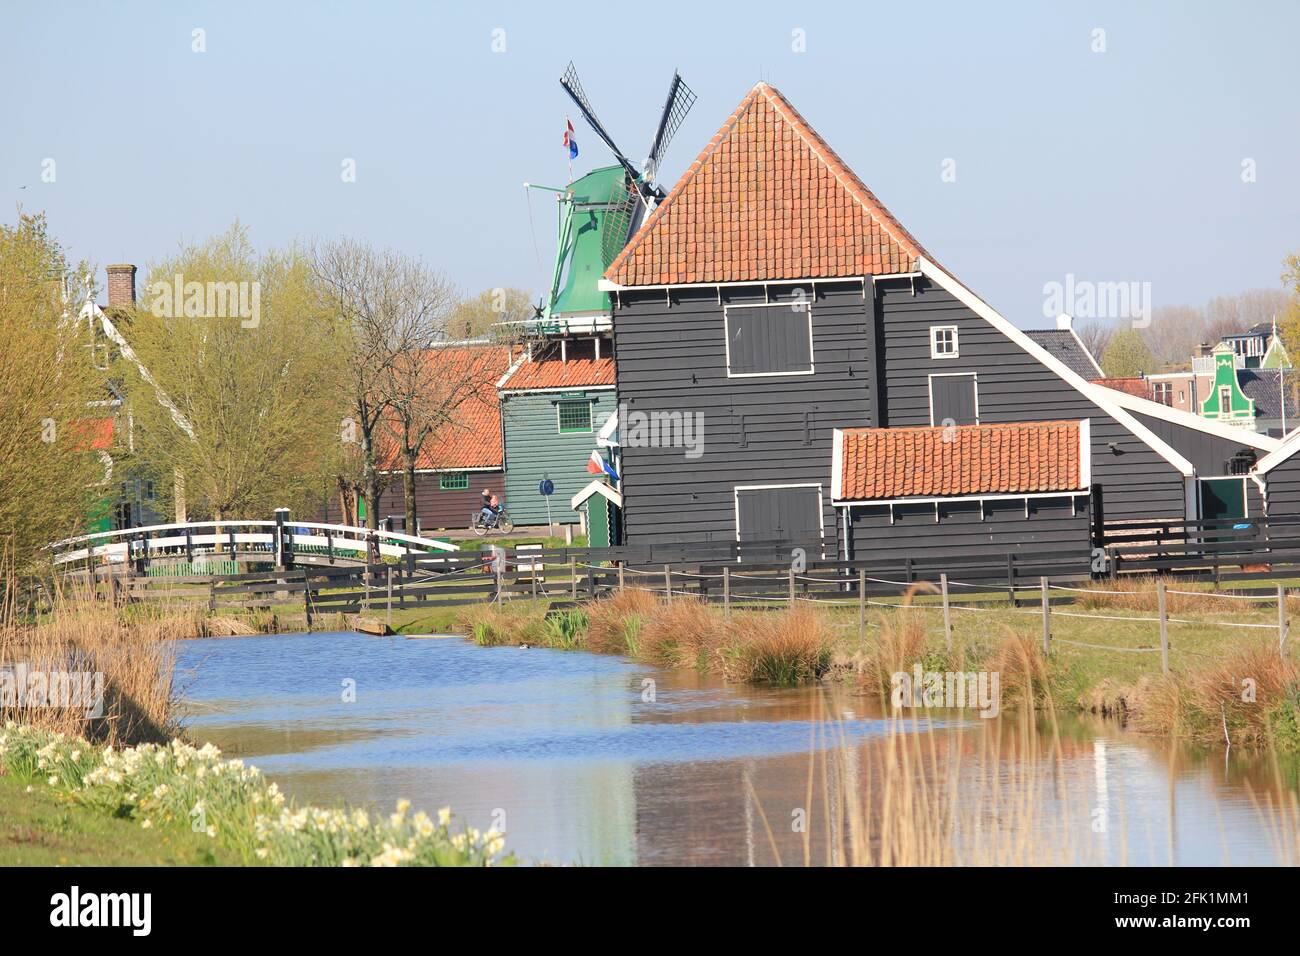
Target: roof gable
[{"x": 767, "y": 199}]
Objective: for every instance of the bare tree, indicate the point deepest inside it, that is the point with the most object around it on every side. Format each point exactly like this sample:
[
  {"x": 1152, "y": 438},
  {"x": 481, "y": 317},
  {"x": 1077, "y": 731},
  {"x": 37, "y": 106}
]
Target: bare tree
[{"x": 1095, "y": 336}]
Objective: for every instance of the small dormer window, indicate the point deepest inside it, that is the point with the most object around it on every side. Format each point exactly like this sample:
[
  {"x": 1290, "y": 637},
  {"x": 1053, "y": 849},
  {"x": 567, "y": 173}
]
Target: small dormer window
[{"x": 943, "y": 341}]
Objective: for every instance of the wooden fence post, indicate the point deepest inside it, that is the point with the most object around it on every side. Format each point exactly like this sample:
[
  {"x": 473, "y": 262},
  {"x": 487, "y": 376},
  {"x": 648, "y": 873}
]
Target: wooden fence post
[
  {"x": 947, "y": 619},
  {"x": 306, "y": 598},
  {"x": 388, "y": 620},
  {"x": 620, "y": 577},
  {"x": 792, "y": 587},
  {"x": 1047, "y": 622},
  {"x": 1011, "y": 579},
  {"x": 573, "y": 577},
  {"x": 668, "y": 583},
  {"x": 862, "y": 605},
  {"x": 1164, "y": 626},
  {"x": 1281, "y": 620},
  {"x": 726, "y": 592}
]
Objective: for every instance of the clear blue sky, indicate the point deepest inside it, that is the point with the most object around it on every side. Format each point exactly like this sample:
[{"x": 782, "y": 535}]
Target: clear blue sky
[{"x": 1117, "y": 166}]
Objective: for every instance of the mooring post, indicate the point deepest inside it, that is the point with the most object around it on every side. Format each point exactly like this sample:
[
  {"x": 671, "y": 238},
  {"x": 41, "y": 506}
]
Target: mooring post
[
  {"x": 668, "y": 583},
  {"x": 1164, "y": 626},
  {"x": 1047, "y": 624},
  {"x": 726, "y": 592},
  {"x": 947, "y": 617},
  {"x": 1281, "y": 620},
  {"x": 306, "y": 598}
]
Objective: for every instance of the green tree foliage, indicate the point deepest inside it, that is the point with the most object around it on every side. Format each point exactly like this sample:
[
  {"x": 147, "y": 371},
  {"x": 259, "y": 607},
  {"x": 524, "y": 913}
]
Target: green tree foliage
[
  {"x": 1126, "y": 355},
  {"x": 236, "y": 388},
  {"x": 50, "y": 476}
]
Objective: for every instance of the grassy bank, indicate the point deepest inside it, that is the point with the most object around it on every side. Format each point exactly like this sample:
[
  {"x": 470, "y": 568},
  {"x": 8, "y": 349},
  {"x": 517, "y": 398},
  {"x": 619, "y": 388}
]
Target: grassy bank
[{"x": 198, "y": 807}]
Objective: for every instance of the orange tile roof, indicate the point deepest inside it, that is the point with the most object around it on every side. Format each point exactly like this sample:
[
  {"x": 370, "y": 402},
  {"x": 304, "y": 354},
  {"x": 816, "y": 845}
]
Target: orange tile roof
[
  {"x": 553, "y": 373},
  {"x": 1134, "y": 385},
  {"x": 767, "y": 199},
  {"x": 1027, "y": 457},
  {"x": 472, "y": 438},
  {"x": 93, "y": 434}
]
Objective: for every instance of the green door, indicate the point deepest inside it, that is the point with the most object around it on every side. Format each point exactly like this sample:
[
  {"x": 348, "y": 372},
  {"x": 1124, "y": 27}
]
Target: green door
[
  {"x": 597, "y": 522},
  {"x": 1223, "y": 498}
]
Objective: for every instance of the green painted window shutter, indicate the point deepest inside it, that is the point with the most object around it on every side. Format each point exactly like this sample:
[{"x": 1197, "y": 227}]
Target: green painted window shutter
[{"x": 453, "y": 481}]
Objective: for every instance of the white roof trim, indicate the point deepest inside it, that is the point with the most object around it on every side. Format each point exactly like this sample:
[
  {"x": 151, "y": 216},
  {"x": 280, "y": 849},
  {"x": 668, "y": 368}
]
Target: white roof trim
[
  {"x": 1135, "y": 403},
  {"x": 91, "y": 311},
  {"x": 1287, "y": 447},
  {"x": 597, "y": 487},
  {"x": 514, "y": 367},
  {"x": 609, "y": 285},
  {"x": 837, "y": 463},
  {"x": 1084, "y": 349},
  {"x": 941, "y": 499},
  {"x": 556, "y": 388},
  {"x": 1017, "y": 335}
]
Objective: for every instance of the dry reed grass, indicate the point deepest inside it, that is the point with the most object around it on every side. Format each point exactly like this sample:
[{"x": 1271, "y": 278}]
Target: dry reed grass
[
  {"x": 121, "y": 668},
  {"x": 1250, "y": 697},
  {"x": 1138, "y": 594}
]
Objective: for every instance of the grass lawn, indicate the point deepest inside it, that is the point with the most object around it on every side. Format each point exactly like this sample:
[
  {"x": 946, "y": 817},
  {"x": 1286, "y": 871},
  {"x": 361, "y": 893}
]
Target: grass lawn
[{"x": 43, "y": 829}]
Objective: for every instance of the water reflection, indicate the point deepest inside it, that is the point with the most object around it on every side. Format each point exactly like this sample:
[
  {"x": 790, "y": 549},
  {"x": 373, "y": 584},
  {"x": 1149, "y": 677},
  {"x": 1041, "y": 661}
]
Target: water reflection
[{"x": 594, "y": 759}]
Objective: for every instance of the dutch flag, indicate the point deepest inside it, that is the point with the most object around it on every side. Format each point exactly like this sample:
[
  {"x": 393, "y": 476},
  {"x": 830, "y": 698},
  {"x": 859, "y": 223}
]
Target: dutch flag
[
  {"x": 570, "y": 143},
  {"x": 597, "y": 465}
]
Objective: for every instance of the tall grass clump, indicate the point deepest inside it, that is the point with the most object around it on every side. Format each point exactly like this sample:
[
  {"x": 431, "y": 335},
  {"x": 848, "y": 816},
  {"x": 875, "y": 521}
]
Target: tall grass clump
[
  {"x": 491, "y": 625},
  {"x": 1250, "y": 697},
  {"x": 780, "y": 647},
  {"x": 614, "y": 623}
]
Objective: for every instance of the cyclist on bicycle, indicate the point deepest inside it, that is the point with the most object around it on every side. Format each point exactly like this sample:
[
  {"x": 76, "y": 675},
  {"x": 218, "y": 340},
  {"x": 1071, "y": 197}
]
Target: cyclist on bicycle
[{"x": 491, "y": 507}]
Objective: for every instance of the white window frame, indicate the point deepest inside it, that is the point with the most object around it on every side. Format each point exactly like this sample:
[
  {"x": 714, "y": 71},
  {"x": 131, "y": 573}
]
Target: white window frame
[
  {"x": 1245, "y": 494},
  {"x": 934, "y": 342},
  {"x": 929, "y": 387},
  {"x": 1225, "y": 406},
  {"x": 821, "y": 502},
  {"x": 806, "y": 309}
]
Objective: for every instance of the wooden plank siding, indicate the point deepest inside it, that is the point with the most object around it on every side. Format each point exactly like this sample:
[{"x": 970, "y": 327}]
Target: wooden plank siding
[
  {"x": 1054, "y": 526},
  {"x": 760, "y": 430},
  {"x": 435, "y": 508},
  {"x": 670, "y": 351},
  {"x": 1283, "y": 486},
  {"x": 535, "y": 449},
  {"x": 1013, "y": 386}
]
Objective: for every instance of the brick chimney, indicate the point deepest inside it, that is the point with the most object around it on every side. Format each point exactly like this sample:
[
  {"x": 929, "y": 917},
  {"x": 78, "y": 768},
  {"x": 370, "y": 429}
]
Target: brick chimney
[{"x": 121, "y": 285}]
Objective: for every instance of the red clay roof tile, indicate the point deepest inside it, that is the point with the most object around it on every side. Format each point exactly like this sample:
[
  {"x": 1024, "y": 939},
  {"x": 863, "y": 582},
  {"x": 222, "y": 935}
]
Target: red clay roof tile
[
  {"x": 1027, "y": 457},
  {"x": 553, "y": 373},
  {"x": 472, "y": 438},
  {"x": 767, "y": 199}
]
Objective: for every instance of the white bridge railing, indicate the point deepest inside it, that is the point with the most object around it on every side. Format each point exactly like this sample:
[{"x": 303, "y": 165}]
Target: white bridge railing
[{"x": 214, "y": 538}]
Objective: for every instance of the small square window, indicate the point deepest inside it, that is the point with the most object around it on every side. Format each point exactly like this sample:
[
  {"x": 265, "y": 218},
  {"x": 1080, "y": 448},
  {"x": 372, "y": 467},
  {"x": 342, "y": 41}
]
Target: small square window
[
  {"x": 574, "y": 416},
  {"x": 453, "y": 481},
  {"x": 943, "y": 341}
]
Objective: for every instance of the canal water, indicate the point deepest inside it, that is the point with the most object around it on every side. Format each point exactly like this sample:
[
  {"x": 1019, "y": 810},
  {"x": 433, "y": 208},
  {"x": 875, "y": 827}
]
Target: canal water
[{"x": 587, "y": 758}]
